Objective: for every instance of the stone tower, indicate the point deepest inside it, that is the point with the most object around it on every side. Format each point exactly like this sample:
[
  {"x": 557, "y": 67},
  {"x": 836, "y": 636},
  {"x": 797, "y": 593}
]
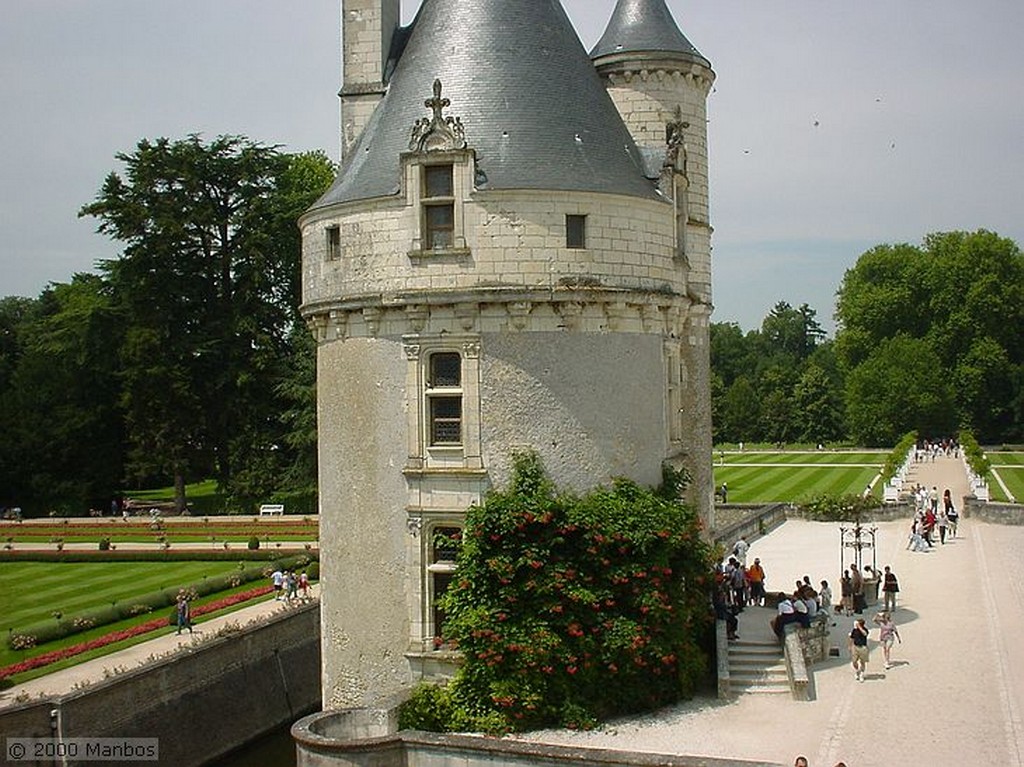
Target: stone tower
[
  {"x": 657, "y": 77},
  {"x": 367, "y": 32},
  {"x": 504, "y": 262}
]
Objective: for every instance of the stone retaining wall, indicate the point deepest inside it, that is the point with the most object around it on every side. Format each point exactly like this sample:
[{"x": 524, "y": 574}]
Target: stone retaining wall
[
  {"x": 200, "y": 704},
  {"x": 997, "y": 513},
  {"x": 367, "y": 738}
]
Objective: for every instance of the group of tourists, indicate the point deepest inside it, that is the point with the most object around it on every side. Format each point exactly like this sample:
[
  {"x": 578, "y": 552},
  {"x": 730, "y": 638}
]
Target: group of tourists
[
  {"x": 929, "y": 451},
  {"x": 290, "y": 587},
  {"x": 805, "y": 605},
  {"x": 932, "y": 519}
]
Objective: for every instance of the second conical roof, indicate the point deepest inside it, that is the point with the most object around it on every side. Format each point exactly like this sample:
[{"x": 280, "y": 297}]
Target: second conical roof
[{"x": 644, "y": 26}]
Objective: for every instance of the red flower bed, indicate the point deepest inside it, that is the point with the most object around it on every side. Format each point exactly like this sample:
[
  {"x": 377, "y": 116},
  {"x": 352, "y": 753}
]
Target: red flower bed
[{"x": 118, "y": 636}]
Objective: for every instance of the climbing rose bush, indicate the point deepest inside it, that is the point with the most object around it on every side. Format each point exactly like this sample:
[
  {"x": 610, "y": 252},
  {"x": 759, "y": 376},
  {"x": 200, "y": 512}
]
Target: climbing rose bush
[{"x": 571, "y": 609}]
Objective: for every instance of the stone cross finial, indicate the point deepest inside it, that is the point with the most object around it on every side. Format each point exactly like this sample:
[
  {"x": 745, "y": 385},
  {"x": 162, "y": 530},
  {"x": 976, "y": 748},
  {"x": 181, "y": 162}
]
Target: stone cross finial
[
  {"x": 438, "y": 133},
  {"x": 437, "y": 103}
]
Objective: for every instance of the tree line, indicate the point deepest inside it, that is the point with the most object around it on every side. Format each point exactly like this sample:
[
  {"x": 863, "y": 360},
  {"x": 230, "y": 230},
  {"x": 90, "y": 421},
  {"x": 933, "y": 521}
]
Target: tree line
[
  {"x": 928, "y": 339},
  {"x": 183, "y": 358}
]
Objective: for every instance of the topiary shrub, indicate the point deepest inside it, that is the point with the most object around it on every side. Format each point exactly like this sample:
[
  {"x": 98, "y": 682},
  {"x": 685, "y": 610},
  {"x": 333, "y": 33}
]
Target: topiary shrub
[
  {"x": 254, "y": 543},
  {"x": 104, "y": 544},
  {"x": 568, "y": 609}
]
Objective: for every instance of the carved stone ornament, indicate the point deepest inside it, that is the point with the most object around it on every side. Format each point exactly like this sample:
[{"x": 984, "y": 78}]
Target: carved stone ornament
[
  {"x": 437, "y": 133},
  {"x": 675, "y": 138}
]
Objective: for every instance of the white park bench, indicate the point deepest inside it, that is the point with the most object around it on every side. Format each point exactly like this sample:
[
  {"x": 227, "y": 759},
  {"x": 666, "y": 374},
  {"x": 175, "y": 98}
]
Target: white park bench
[{"x": 272, "y": 510}]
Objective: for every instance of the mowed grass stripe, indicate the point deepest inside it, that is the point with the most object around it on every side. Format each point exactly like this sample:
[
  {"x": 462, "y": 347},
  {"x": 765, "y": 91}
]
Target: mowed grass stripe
[
  {"x": 755, "y": 484},
  {"x": 1006, "y": 459},
  {"x": 873, "y": 459},
  {"x": 31, "y": 591}
]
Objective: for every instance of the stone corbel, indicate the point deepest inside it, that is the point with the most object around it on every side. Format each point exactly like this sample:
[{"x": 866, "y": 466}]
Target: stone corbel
[
  {"x": 466, "y": 314},
  {"x": 519, "y": 314},
  {"x": 570, "y": 312},
  {"x": 372, "y": 316},
  {"x": 417, "y": 316},
  {"x": 337, "y": 324},
  {"x": 616, "y": 312}
]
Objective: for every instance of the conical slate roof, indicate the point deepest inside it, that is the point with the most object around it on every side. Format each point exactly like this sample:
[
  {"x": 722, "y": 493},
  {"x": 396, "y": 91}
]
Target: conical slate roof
[
  {"x": 532, "y": 104},
  {"x": 644, "y": 26}
]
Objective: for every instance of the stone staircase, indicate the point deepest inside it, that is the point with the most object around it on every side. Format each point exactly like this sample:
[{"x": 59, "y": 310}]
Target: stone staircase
[{"x": 757, "y": 667}]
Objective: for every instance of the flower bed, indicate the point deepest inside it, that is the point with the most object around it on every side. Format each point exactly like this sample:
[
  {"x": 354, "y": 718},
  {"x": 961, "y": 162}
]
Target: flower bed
[{"x": 119, "y": 636}]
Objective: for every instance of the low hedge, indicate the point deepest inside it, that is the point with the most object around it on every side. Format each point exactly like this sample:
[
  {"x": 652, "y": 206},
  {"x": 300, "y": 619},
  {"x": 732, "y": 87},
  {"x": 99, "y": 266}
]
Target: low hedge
[
  {"x": 37, "y": 634},
  {"x": 154, "y": 555}
]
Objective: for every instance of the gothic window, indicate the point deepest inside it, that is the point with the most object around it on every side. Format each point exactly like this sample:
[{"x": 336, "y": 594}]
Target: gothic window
[
  {"x": 575, "y": 232},
  {"x": 438, "y": 201},
  {"x": 444, "y": 399}
]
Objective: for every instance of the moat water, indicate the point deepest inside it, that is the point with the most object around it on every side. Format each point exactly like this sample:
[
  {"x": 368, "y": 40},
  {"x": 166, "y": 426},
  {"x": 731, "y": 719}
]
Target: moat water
[{"x": 275, "y": 749}]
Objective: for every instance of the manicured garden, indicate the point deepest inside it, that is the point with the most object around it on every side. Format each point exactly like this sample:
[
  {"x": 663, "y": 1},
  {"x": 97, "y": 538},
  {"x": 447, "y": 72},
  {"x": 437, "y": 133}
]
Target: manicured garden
[
  {"x": 60, "y": 613},
  {"x": 795, "y": 476},
  {"x": 235, "y": 531}
]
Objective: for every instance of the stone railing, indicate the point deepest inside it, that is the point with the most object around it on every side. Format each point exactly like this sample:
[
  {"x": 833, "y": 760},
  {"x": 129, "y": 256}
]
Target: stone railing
[
  {"x": 803, "y": 647},
  {"x": 979, "y": 485},
  {"x": 367, "y": 738}
]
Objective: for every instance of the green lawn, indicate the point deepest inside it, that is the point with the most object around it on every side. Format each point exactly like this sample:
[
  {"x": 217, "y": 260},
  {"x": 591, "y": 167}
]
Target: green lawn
[
  {"x": 1006, "y": 459},
  {"x": 760, "y": 483},
  {"x": 1013, "y": 478},
  {"x": 31, "y": 591},
  {"x": 809, "y": 457}
]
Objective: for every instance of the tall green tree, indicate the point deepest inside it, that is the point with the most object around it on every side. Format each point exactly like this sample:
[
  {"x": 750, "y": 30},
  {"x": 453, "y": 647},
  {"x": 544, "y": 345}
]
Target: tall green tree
[
  {"x": 897, "y": 390},
  {"x": 962, "y": 294},
  {"x": 208, "y": 284},
  {"x": 62, "y": 447}
]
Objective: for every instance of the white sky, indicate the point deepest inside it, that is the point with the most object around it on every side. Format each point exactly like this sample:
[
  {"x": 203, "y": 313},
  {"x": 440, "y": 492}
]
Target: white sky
[{"x": 919, "y": 106}]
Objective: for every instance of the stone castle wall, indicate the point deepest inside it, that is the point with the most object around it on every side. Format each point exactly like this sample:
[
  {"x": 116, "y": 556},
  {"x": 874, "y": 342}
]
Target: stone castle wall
[{"x": 513, "y": 239}]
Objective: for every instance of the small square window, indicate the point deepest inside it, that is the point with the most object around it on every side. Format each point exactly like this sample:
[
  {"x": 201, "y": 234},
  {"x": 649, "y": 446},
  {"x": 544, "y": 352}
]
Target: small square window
[
  {"x": 333, "y": 243},
  {"x": 445, "y": 369},
  {"x": 439, "y": 225},
  {"x": 446, "y": 420},
  {"x": 437, "y": 181},
  {"x": 575, "y": 232}
]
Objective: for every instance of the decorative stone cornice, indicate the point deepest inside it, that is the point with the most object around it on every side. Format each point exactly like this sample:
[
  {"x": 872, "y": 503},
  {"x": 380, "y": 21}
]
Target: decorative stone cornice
[{"x": 572, "y": 311}]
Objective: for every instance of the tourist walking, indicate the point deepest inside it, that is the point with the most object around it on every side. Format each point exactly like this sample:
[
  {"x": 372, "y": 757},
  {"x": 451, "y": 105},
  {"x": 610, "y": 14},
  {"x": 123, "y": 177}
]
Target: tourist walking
[
  {"x": 846, "y": 592},
  {"x": 858, "y": 644},
  {"x": 888, "y": 634},
  {"x": 890, "y": 588},
  {"x": 277, "y": 579},
  {"x": 184, "y": 614},
  {"x": 740, "y": 549}
]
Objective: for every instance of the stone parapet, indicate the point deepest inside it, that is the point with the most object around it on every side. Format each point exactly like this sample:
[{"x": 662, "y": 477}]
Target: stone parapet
[{"x": 364, "y": 738}]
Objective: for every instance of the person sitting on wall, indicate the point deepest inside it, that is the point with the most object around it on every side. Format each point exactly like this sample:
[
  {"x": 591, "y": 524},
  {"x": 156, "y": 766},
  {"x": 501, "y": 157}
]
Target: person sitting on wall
[{"x": 786, "y": 615}]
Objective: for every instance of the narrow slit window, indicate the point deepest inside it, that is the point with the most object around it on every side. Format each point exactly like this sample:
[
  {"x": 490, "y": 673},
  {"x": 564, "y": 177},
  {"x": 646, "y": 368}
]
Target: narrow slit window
[
  {"x": 575, "y": 232},
  {"x": 333, "y": 243}
]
